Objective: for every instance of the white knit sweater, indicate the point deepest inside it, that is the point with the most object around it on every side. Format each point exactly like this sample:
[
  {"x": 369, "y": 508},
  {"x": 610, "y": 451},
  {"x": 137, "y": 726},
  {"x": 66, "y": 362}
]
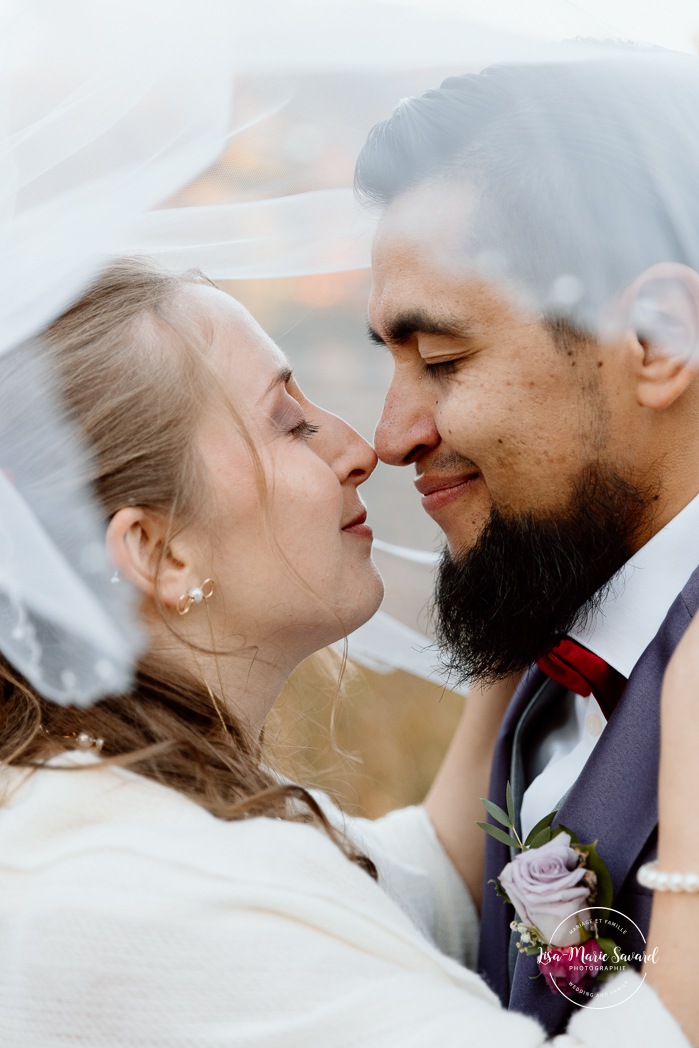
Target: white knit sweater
[{"x": 131, "y": 917}]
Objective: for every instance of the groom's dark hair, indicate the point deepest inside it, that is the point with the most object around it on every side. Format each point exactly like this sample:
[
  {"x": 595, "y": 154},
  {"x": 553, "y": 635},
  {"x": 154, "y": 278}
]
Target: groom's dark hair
[{"x": 569, "y": 162}]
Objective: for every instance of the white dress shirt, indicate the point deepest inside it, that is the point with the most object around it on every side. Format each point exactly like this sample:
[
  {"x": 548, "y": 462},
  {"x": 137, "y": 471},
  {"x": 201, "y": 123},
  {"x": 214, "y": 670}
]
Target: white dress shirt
[{"x": 628, "y": 620}]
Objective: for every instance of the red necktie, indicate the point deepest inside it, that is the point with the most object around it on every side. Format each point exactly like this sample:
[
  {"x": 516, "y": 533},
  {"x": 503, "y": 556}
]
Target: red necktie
[{"x": 583, "y": 672}]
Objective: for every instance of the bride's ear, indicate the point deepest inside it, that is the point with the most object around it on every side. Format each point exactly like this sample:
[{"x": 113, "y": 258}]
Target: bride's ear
[{"x": 136, "y": 544}]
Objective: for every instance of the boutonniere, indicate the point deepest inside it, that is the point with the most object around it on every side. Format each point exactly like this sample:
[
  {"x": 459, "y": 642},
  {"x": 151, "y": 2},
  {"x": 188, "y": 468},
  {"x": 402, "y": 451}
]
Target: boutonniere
[{"x": 561, "y": 891}]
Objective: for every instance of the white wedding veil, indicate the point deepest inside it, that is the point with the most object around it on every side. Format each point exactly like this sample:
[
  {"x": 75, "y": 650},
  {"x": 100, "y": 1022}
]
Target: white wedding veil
[{"x": 108, "y": 111}]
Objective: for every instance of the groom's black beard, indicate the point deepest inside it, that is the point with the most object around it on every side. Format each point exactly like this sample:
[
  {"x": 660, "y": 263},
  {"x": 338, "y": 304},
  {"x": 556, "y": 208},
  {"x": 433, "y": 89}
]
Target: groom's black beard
[{"x": 529, "y": 579}]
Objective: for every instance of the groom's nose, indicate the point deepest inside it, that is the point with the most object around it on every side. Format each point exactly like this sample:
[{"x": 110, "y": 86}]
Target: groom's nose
[{"x": 406, "y": 429}]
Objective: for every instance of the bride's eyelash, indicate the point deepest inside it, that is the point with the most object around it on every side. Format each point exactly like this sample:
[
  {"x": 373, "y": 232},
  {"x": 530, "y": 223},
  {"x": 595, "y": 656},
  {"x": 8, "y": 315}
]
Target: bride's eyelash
[{"x": 305, "y": 429}]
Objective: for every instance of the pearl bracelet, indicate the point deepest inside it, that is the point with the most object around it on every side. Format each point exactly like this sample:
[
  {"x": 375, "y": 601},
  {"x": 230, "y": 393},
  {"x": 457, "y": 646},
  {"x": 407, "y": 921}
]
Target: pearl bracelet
[{"x": 651, "y": 877}]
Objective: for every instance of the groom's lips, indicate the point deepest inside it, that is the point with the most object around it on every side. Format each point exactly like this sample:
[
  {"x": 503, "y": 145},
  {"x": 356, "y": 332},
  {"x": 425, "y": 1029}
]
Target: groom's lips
[{"x": 439, "y": 491}]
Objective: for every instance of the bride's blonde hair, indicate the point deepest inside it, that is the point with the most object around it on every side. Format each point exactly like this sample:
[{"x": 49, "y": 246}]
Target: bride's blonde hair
[{"x": 129, "y": 364}]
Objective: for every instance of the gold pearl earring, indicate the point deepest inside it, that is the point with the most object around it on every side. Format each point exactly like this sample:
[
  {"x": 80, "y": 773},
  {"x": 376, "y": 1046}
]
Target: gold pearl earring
[{"x": 195, "y": 596}]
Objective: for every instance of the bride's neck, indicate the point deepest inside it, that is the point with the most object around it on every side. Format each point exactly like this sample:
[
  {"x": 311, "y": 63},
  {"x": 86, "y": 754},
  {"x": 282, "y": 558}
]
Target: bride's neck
[
  {"x": 247, "y": 679},
  {"x": 248, "y": 683}
]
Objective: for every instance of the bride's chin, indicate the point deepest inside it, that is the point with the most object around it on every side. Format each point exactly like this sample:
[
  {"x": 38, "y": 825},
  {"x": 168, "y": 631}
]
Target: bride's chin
[
  {"x": 365, "y": 607},
  {"x": 329, "y": 619}
]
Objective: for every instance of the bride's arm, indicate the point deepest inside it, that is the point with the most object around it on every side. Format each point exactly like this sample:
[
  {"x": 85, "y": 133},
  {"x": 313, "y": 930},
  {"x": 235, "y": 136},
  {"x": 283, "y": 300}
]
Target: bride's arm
[
  {"x": 674, "y": 925},
  {"x": 453, "y": 802}
]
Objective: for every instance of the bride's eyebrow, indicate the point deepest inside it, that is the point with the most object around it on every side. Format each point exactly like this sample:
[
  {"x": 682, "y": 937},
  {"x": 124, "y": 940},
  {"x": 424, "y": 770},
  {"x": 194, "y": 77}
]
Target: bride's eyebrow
[{"x": 282, "y": 377}]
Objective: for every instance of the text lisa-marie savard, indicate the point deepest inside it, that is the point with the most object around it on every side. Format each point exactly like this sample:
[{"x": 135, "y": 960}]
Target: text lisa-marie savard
[{"x": 550, "y": 955}]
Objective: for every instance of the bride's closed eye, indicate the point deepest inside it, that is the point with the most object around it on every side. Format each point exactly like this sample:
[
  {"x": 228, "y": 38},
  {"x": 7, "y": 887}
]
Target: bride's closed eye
[
  {"x": 293, "y": 422},
  {"x": 305, "y": 429}
]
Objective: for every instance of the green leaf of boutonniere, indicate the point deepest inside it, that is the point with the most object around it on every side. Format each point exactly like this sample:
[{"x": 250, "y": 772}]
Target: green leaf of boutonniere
[
  {"x": 541, "y": 833},
  {"x": 496, "y": 811},
  {"x": 510, "y": 804},
  {"x": 564, "y": 829},
  {"x": 541, "y": 838},
  {"x": 594, "y": 862},
  {"x": 499, "y": 890},
  {"x": 498, "y": 834}
]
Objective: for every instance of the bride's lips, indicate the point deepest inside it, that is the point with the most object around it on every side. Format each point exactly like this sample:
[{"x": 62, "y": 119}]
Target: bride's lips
[
  {"x": 439, "y": 491},
  {"x": 358, "y": 526}
]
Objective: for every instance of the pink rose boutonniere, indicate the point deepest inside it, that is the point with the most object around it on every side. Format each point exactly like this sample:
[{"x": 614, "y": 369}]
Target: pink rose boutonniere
[{"x": 561, "y": 892}]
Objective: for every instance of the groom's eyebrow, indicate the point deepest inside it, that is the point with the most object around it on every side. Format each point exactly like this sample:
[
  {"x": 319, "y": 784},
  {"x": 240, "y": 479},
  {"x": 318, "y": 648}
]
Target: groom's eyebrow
[{"x": 398, "y": 330}]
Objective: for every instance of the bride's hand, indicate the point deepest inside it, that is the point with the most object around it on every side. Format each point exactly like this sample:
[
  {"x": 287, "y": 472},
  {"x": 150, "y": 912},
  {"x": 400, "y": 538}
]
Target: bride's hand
[
  {"x": 678, "y": 790},
  {"x": 682, "y": 673},
  {"x": 453, "y": 802},
  {"x": 674, "y": 928}
]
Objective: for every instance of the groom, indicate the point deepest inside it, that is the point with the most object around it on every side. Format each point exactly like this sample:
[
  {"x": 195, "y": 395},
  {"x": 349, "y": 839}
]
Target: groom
[{"x": 535, "y": 281}]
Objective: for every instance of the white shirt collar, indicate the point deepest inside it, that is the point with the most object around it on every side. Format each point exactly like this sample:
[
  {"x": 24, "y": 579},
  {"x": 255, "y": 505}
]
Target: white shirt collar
[{"x": 643, "y": 591}]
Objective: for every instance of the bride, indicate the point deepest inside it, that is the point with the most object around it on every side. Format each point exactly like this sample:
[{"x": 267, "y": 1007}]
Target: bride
[{"x": 159, "y": 884}]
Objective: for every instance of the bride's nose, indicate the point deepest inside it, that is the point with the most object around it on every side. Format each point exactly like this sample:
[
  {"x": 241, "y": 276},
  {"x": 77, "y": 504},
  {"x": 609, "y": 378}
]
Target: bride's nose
[{"x": 350, "y": 455}]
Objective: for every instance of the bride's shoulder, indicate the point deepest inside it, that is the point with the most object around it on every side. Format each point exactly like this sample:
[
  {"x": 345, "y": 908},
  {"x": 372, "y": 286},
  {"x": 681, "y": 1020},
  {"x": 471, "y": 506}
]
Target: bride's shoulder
[
  {"x": 79, "y": 805},
  {"x": 99, "y": 817},
  {"x": 75, "y": 791}
]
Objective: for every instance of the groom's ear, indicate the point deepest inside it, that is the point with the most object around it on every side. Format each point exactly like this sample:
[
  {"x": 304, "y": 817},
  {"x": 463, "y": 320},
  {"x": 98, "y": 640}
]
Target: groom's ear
[{"x": 662, "y": 307}]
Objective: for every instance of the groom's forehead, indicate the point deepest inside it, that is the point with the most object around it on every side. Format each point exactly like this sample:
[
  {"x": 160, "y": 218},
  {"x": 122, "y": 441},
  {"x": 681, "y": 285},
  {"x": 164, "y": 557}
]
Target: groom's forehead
[
  {"x": 420, "y": 246},
  {"x": 426, "y": 274},
  {"x": 428, "y": 217},
  {"x": 439, "y": 244}
]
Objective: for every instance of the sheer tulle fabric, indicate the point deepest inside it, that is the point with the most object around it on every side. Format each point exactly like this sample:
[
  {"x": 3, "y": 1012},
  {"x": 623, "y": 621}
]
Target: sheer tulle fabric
[{"x": 108, "y": 110}]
